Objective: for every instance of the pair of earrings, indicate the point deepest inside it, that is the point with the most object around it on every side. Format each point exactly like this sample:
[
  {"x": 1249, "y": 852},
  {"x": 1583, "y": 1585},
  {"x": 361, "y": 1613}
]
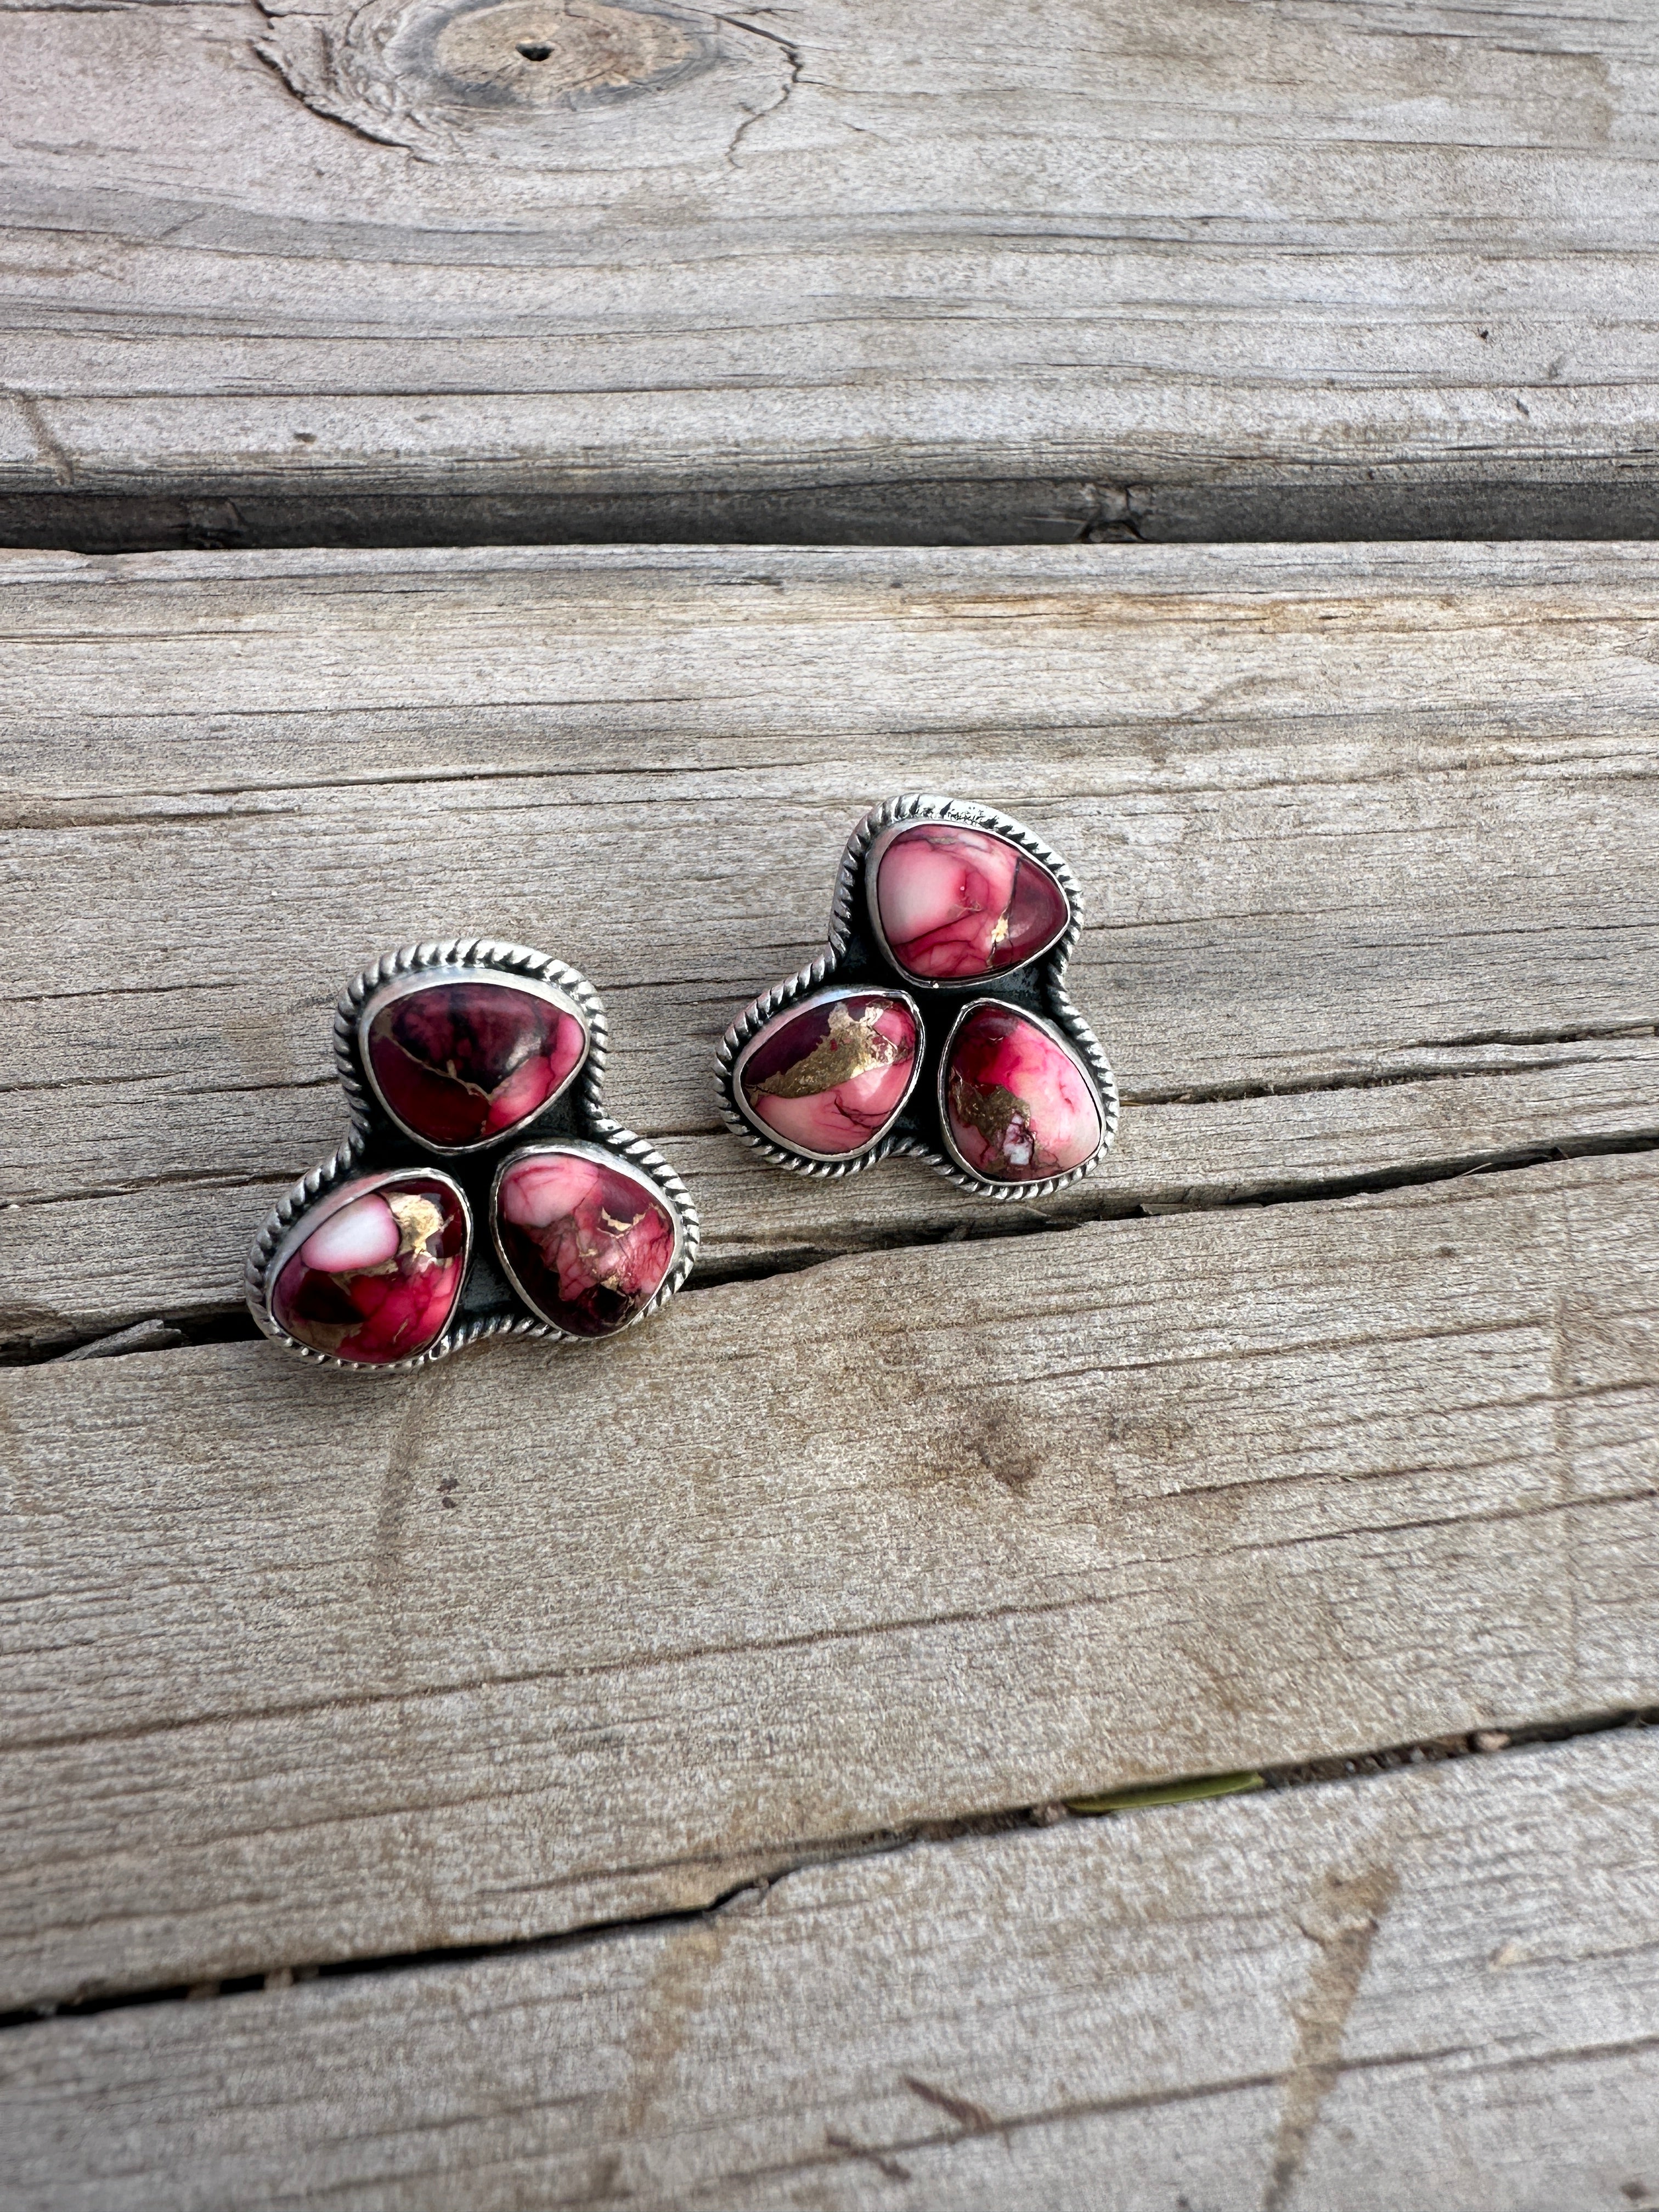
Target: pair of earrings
[{"x": 935, "y": 1022}]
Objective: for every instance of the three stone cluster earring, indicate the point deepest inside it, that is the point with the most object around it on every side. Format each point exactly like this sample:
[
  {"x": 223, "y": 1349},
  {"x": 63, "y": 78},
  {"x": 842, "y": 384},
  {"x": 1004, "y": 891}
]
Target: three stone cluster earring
[
  {"x": 936, "y": 1021},
  {"x": 474, "y": 1072}
]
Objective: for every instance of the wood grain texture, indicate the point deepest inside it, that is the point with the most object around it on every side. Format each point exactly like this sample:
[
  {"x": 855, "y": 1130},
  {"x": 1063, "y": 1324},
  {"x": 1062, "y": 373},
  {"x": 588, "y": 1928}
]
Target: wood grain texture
[
  {"x": 1366, "y": 837},
  {"x": 300, "y": 1668},
  {"x": 1437, "y": 1987},
  {"x": 404, "y": 271}
]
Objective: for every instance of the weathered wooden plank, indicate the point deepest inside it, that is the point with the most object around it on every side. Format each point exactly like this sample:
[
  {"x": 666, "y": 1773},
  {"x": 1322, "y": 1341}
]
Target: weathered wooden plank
[
  {"x": 1435, "y": 1987},
  {"x": 300, "y": 1668},
  {"x": 1172, "y": 268},
  {"x": 1366, "y": 837}
]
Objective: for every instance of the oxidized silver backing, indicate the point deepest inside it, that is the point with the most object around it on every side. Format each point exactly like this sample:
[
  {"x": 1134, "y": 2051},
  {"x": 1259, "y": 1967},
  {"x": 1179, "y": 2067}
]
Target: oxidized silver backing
[
  {"x": 372, "y": 1127},
  {"x": 1046, "y": 970}
]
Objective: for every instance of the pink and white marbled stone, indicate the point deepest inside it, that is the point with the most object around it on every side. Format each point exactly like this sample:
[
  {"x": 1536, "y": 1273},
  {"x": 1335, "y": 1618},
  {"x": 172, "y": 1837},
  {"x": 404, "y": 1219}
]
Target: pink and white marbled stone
[
  {"x": 827, "y": 1077},
  {"x": 379, "y": 1279},
  {"x": 467, "y": 1059},
  {"x": 956, "y": 904},
  {"x": 589, "y": 1241},
  {"x": 1019, "y": 1104}
]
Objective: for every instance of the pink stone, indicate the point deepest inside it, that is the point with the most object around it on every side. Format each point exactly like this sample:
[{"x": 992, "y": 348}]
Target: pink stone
[
  {"x": 956, "y": 905},
  {"x": 1019, "y": 1105},
  {"x": 588, "y": 1241},
  {"x": 461, "y": 1061},
  {"x": 360, "y": 1235},
  {"x": 378, "y": 1280},
  {"x": 827, "y": 1077}
]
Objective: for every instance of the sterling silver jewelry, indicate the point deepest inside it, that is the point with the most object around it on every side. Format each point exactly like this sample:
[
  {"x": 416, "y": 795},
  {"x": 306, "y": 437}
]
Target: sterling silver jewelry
[
  {"x": 936, "y": 1021},
  {"x": 483, "y": 1190}
]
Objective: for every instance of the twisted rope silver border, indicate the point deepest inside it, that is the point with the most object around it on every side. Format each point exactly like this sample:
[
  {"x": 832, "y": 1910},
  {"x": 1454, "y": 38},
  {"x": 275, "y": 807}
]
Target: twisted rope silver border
[
  {"x": 914, "y": 806},
  {"x": 492, "y": 952},
  {"x": 498, "y": 955}
]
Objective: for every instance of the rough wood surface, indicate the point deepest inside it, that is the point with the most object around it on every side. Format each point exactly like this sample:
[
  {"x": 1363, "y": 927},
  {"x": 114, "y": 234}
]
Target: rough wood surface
[
  {"x": 1366, "y": 838},
  {"x": 300, "y": 1668},
  {"x": 1435, "y": 1987},
  {"x": 414, "y": 270}
]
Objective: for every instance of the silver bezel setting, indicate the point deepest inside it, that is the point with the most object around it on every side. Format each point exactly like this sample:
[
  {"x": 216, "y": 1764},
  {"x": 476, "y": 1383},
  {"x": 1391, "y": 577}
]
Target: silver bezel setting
[
  {"x": 1023, "y": 1014},
  {"x": 586, "y": 1091},
  {"x": 648, "y": 1169},
  {"x": 308, "y": 1216},
  {"x": 453, "y": 959},
  {"x": 296, "y": 1213},
  {"x": 837, "y": 992},
  {"x": 1048, "y": 967},
  {"x": 415, "y": 981},
  {"x": 346, "y": 1193},
  {"x": 894, "y": 830}
]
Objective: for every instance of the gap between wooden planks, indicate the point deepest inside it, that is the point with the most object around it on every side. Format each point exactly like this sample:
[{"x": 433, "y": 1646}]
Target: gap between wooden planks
[
  {"x": 297, "y": 273},
  {"x": 1437, "y": 1987},
  {"x": 301, "y": 1669},
  {"x": 1365, "y": 835}
]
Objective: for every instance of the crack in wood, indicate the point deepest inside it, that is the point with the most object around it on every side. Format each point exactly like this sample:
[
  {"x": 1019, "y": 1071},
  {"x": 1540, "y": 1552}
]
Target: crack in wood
[
  {"x": 1125, "y": 1208},
  {"x": 1345, "y": 1944}
]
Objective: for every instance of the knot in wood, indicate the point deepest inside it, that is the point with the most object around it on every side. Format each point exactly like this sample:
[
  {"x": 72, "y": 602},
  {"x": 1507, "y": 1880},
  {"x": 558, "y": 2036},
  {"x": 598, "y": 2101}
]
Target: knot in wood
[
  {"x": 531, "y": 83},
  {"x": 539, "y": 52}
]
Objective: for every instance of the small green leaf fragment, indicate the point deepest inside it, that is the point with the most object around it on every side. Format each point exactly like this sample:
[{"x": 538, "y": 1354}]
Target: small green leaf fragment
[{"x": 1166, "y": 1793}]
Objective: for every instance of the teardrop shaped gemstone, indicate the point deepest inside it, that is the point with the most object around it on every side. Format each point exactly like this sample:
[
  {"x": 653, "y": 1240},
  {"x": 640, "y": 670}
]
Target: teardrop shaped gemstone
[
  {"x": 462, "y": 1061},
  {"x": 1017, "y": 1102},
  {"x": 588, "y": 1241},
  {"x": 377, "y": 1280},
  {"x": 956, "y": 904},
  {"x": 827, "y": 1077}
]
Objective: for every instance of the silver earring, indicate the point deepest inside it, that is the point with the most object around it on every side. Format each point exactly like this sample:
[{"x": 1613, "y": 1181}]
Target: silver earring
[
  {"x": 474, "y": 1072},
  {"x": 936, "y": 1021}
]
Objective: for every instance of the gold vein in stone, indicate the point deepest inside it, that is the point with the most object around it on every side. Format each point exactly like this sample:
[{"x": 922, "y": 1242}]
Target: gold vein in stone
[
  {"x": 990, "y": 1109},
  {"x": 420, "y": 1222},
  {"x": 528, "y": 1047},
  {"x": 848, "y": 1049}
]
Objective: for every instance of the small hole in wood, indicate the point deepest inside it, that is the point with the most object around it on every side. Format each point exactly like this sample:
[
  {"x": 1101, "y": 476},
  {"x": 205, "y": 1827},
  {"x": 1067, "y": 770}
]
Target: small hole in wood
[{"x": 535, "y": 53}]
